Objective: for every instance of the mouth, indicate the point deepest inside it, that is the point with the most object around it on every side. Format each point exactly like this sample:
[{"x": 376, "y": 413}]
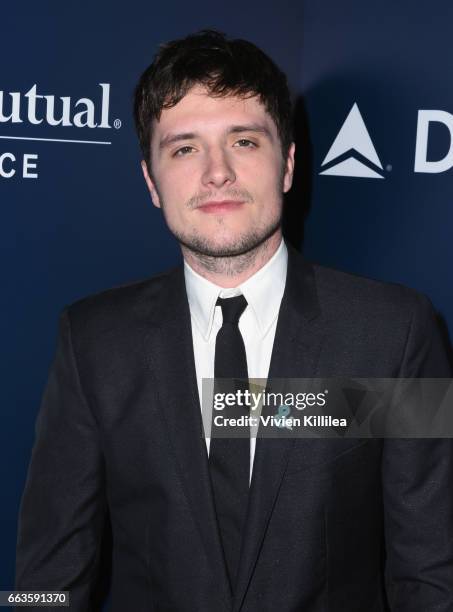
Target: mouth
[{"x": 221, "y": 206}]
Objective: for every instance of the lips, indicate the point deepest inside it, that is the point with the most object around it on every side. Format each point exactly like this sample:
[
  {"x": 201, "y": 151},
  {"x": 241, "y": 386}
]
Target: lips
[{"x": 221, "y": 206}]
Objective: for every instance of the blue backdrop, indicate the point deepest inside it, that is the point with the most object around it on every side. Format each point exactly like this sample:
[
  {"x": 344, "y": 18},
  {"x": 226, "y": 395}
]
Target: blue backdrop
[{"x": 76, "y": 216}]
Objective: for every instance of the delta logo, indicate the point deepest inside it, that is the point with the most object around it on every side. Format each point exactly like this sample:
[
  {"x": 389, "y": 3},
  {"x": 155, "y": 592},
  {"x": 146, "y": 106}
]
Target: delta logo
[{"x": 353, "y": 154}]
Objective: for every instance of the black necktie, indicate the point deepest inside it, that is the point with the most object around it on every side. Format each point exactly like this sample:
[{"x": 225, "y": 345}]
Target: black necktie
[{"x": 229, "y": 458}]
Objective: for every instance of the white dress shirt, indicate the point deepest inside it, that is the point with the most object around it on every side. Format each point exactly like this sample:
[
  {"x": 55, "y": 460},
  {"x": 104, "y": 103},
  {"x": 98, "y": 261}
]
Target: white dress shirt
[{"x": 263, "y": 292}]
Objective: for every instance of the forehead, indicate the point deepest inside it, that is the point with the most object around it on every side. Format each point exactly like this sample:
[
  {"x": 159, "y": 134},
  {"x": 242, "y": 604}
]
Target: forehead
[{"x": 201, "y": 111}]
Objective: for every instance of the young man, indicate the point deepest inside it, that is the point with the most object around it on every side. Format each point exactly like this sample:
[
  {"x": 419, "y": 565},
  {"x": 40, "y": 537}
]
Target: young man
[{"x": 204, "y": 525}]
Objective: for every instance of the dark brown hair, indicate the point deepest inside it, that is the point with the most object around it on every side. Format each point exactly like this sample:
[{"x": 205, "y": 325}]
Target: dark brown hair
[{"x": 225, "y": 67}]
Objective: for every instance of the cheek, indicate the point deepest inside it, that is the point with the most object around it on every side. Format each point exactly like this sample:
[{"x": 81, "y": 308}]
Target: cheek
[
  {"x": 266, "y": 186},
  {"x": 176, "y": 188},
  {"x": 264, "y": 172}
]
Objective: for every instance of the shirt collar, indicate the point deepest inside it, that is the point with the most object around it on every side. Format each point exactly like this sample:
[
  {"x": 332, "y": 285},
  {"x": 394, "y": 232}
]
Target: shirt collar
[{"x": 263, "y": 292}]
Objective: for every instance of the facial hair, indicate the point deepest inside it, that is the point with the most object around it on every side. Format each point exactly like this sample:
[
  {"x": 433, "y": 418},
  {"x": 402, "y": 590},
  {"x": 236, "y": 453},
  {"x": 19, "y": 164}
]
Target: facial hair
[{"x": 237, "y": 256}]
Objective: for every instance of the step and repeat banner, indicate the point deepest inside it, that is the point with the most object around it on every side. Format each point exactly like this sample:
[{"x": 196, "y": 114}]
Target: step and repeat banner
[{"x": 373, "y": 191}]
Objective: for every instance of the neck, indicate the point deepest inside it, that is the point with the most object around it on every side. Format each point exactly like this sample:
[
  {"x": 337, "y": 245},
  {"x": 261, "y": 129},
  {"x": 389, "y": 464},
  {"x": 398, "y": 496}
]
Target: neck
[{"x": 232, "y": 271}]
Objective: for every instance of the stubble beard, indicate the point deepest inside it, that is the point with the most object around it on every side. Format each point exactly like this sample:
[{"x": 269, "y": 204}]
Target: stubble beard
[
  {"x": 231, "y": 259},
  {"x": 236, "y": 257}
]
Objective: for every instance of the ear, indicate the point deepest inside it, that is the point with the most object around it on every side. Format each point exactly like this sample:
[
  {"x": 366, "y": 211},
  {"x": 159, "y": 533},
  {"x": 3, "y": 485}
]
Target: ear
[
  {"x": 289, "y": 169},
  {"x": 150, "y": 184}
]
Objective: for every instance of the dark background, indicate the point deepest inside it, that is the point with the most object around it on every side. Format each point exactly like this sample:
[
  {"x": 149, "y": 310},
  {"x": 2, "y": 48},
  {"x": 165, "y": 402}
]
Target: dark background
[{"x": 87, "y": 223}]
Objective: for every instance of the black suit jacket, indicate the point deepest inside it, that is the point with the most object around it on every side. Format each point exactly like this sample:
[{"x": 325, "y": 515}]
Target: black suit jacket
[{"x": 120, "y": 430}]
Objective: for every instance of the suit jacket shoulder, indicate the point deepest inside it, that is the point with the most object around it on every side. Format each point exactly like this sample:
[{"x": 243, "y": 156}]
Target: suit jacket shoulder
[
  {"x": 111, "y": 331},
  {"x": 347, "y": 294},
  {"x": 114, "y": 304},
  {"x": 381, "y": 318}
]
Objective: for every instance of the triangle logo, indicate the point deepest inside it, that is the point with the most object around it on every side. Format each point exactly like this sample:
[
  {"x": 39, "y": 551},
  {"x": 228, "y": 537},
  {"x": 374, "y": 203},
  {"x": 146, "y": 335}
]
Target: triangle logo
[{"x": 353, "y": 137}]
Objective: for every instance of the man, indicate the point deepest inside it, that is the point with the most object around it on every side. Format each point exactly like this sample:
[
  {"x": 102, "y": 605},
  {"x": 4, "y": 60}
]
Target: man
[{"x": 326, "y": 524}]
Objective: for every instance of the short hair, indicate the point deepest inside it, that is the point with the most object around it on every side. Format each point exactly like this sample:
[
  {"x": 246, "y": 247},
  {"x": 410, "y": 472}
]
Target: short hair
[{"x": 225, "y": 67}]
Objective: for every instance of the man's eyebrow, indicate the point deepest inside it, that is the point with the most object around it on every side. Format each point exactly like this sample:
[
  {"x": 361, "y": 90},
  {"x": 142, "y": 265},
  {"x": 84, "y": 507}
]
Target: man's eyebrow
[
  {"x": 250, "y": 127},
  {"x": 170, "y": 139}
]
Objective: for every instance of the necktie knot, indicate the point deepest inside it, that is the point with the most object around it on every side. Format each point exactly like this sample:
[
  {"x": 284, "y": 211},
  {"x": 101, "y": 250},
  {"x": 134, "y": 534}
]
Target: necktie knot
[{"x": 232, "y": 308}]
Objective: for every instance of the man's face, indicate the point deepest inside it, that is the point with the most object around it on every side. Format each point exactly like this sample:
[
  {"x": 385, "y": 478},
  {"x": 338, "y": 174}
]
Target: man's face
[{"x": 218, "y": 173}]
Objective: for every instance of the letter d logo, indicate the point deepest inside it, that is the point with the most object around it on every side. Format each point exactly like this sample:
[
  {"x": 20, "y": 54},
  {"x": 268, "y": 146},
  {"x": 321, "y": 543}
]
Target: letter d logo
[{"x": 421, "y": 149}]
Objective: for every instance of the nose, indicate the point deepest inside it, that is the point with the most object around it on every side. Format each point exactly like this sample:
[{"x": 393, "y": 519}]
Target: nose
[{"x": 218, "y": 170}]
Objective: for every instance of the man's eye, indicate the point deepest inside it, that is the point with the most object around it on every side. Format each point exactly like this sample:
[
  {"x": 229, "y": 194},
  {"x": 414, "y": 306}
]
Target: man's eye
[
  {"x": 183, "y": 151},
  {"x": 245, "y": 142}
]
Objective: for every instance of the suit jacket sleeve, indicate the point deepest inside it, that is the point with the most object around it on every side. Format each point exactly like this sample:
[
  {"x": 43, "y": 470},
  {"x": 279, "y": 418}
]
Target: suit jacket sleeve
[
  {"x": 418, "y": 490},
  {"x": 63, "y": 505}
]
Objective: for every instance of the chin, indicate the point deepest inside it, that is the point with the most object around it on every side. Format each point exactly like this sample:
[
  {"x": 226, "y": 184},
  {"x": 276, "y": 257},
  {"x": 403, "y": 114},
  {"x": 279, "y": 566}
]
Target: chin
[
  {"x": 228, "y": 242},
  {"x": 222, "y": 249},
  {"x": 235, "y": 246}
]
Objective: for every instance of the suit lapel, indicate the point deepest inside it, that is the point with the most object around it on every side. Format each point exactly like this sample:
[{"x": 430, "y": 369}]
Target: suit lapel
[
  {"x": 170, "y": 349},
  {"x": 295, "y": 354}
]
